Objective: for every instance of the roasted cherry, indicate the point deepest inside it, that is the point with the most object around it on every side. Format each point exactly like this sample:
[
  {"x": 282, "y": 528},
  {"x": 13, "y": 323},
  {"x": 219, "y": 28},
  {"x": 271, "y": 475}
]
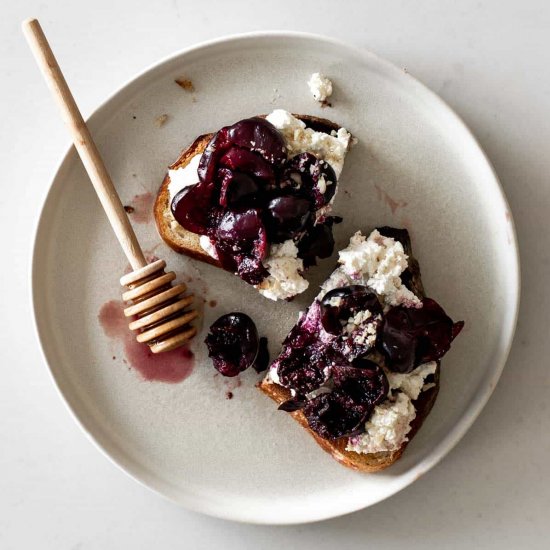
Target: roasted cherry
[
  {"x": 363, "y": 381},
  {"x": 305, "y": 369},
  {"x": 244, "y": 160},
  {"x": 192, "y": 207},
  {"x": 334, "y": 415},
  {"x": 232, "y": 343},
  {"x": 260, "y": 136},
  {"x": 340, "y": 304},
  {"x": 287, "y": 216},
  {"x": 311, "y": 176},
  {"x": 251, "y": 269},
  {"x": 239, "y": 230},
  {"x": 358, "y": 388},
  {"x": 412, "y": 336},
  {"x": 236, "y": 188},
  {"x": 215, "y": 148},
  {"x": 262, "y": 360},
  {"x": 306, "y": 331},
  {"x": 241, "y": 243},
  {"x": 317, "y": 242},
  {"x": 299, "y": 338}
]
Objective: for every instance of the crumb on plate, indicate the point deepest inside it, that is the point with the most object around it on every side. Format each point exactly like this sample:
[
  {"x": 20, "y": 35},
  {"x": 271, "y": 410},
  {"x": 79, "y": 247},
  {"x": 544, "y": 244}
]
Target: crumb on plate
[
  {"x": 185, "y": 83},
  {"x": 160, "y": 121}
]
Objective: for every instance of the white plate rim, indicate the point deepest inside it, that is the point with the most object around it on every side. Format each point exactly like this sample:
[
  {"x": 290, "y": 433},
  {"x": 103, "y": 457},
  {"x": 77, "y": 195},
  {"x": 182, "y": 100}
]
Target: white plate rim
[{"x": 478, "y": 401}]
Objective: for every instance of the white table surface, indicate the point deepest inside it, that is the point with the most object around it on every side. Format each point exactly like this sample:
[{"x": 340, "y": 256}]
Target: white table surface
[{"x": 491, "y": 62}]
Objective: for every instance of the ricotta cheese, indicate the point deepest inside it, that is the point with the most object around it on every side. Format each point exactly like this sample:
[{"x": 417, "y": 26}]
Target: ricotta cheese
[
  {"x": 320, "y": 87},
  {"x": 378, "y": 261},
  {"x": 273, "y": 376},
  {"x": 362, "y": 331},
  {"x": 208, "y": 246},
  {"x": 387, "y": 427},
  {"x": 299, "y": 139},
  {"x": 354, "y": 322},
  {"x": 412, "y": 383},
  {"x": 183, "y": 177},
  {"x": 390, "y": 422},
  {"x": 284, "y": 266}
]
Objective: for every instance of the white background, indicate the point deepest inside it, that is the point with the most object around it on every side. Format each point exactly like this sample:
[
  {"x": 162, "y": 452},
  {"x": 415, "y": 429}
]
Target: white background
[{"x": 491, "y": 62}]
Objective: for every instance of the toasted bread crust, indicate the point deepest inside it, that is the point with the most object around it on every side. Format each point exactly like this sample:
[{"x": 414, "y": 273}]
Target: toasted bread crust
[
  {"x": 178, "y": 238},
  {"x": 372, "y": 462}
]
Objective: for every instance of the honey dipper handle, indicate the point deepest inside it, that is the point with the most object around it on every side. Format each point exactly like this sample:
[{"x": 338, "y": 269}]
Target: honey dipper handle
[{"x": 84, "y": 143}]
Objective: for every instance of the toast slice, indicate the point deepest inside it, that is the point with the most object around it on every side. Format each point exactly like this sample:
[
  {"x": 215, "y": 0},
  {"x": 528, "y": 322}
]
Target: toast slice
[
  {"x": 171, "y": 232},
  {"x": 371, "y": 462}
]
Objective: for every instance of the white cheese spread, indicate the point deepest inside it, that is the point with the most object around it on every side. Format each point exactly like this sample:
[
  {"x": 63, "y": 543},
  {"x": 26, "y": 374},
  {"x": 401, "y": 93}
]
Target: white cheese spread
[
  {"x": 387, "y": 427},
  {"x": 208, "y": 246},
  {"x": 299, "y": 139},
  {"x": 411, "y": 383},
  {"x": 284, "y": 266},
  {"x": 376, "y": 262},
  {"x": 183, "y": 177}
]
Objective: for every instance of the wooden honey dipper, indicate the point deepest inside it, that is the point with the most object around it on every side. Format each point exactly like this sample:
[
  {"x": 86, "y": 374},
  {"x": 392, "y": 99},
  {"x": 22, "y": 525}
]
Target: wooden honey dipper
[{"x": 161, "y": 312}]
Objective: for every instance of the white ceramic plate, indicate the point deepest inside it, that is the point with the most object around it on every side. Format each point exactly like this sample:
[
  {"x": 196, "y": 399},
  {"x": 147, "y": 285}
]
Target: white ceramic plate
[{"x": 416, "y": 165}]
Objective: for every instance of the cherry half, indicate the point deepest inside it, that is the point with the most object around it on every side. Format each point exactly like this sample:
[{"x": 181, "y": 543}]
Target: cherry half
[
  {"x": 241, "y": 243},
  {"x": 351, "y": 300},
  {"x": 233, "y": 343},
  {"x": 412, "y": 336},
  {"x": 192, "y": 207},
  {"x": 312, "y": 176},
  {"x": 287, "y": 216}
]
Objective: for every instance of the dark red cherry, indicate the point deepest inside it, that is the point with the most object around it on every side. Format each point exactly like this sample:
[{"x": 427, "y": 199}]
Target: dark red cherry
[
  {"x": 298, "y": 372},
  {"x": 363, "y": 381},
  {"x": 318, "y": 242},
  {"x": 244, "y": 160},
  {"x": 215, "y": 148},
  {"x": 236, "y": 188},
  {"x": 256, "y": 135},
  {"x": 260, "y": 136},
  {"x": 241, "y": 242},
  {"x": 287, "y": 216},
  {"x": 239, "y": 230},
  {"x": 232, "y": 343},
  {"x": 192, "y": 207},
  {"x": 262, "y": 360},
  {"x": 340, "y": 304},
  {"x": 412, "y": 336},
  {"x": 298, "y": 337},
  {"x": 250, "y": 267},
  {"x": 312, "y": 176},
  {"x": 334, "y": 415},
  {"x": 305, "y": 369}
]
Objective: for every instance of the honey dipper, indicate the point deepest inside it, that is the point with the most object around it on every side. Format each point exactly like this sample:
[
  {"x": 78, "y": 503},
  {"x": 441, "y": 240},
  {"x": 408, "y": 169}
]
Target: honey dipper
[{"x": 161, "y": 311}]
